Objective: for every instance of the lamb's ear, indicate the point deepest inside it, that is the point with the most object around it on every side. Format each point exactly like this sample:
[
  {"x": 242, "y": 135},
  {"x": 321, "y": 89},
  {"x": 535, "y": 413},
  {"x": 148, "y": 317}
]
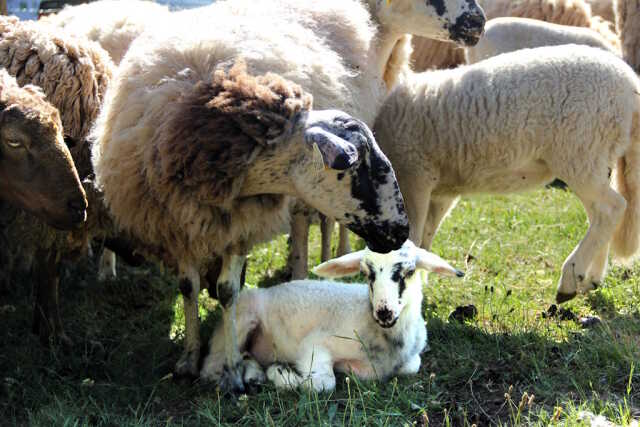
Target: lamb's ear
[
  {"x": 325, "y": 132},
  {"x": 432, "y": 262},
  {"x": 346, "y": 265}
]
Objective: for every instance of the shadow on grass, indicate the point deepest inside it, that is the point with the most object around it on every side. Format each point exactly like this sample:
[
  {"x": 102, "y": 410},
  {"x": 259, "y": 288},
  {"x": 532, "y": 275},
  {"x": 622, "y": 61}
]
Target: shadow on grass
[{"x": 117, "y": 372}]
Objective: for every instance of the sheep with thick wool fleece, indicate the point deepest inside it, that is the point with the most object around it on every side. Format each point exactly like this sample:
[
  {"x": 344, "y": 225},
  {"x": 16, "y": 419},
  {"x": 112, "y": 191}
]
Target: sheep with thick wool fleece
[
  {"x": 331, "y": 51},
  {"x": 504, "y": 35},
  {"x": 515, "y": 122},
  {"x": 373, "y": 331}
]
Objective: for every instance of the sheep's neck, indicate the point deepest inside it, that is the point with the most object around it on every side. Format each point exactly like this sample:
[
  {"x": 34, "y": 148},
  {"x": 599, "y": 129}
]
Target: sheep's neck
[
  {"x": 388, "y": 42},
  {"x": 269, "y": 174}
]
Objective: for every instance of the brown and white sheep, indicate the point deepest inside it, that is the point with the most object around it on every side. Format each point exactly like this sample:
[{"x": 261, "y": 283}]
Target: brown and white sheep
[
  {"x": 114, "y": 24},
  {"x": 436, "y": 55},
  {"x": 223, "y": 148},
  {"x": 73, "y": 73}
]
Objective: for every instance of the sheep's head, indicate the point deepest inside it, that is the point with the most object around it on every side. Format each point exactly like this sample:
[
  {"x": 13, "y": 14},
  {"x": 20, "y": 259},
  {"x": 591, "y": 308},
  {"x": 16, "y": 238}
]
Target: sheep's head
[
  {"x": 344, "y": 175},
  {"x": 460, "y": 21},
  {"x": 37, "y": 172},
  {"x": 394, "y": 281}
]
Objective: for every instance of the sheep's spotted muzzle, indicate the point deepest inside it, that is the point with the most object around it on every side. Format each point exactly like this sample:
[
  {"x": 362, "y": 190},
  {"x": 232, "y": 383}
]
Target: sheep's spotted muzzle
[{"x": 468, "y": 28}]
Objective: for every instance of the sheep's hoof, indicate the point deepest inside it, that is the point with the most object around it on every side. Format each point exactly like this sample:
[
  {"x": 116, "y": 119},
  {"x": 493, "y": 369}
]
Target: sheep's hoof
[
  {"x": 562, "y": 297},
  {"x": 253, "y": 375},
  {"x": 231, "y": 380},
  {"x": 187, "y": 366}
]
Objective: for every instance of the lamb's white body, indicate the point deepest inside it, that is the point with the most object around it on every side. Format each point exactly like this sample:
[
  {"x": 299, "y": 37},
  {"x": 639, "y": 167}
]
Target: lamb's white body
[
  {"x": 504, "y": 35},
  {"x": 515, "y": 122},
  {"x": 319, "y": 327},
  {"x": 322, "y": 326}
]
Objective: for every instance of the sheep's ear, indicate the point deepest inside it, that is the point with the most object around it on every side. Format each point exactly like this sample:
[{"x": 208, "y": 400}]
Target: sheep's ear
[
  {"x": 346, "y": 265},
  {"x": 432, "y": 262},
  {"x": 325, "y": 132}
]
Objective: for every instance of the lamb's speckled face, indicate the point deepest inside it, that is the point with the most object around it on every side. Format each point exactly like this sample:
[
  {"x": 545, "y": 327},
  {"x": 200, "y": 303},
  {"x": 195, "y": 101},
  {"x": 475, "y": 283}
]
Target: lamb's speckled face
[
  {"x": 460, "y": 21},
  {"x": 394, "y": 278}
]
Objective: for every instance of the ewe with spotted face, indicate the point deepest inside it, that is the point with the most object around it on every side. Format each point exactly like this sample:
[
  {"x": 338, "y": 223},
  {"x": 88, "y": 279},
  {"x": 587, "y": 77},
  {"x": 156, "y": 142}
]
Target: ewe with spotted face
[
  {"x": 37, "y": 172},
  {"x": 319, "y": 327}
]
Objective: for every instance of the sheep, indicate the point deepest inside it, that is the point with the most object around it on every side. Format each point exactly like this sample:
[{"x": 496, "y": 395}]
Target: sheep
[
  {"x": 372, "y": 331},
  {"x": 73, "y": 74},
  {"x": 114, "y": 24},
  {"x": 199, "y": 202},
  {"x": 514, "y": 122},
  {"x": 37, "y": 173},
  {"x": 628, "y": 25},
  {"x": 392, "y": 22},
  {"x": 504, "y": 35},
  {"x": 434, "y": 55}
]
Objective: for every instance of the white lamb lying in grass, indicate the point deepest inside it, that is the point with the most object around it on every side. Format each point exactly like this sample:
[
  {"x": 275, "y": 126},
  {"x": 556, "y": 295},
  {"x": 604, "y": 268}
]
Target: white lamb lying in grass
[{"x": 374, "y": 331}]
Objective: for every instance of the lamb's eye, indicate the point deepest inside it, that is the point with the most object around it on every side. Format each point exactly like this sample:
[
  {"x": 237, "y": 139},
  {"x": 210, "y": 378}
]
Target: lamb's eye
[{"x": 409, "y": 273}]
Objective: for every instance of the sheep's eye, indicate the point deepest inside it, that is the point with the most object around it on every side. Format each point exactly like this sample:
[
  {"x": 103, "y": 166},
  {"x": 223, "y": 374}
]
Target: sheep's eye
[
  {"x": 409, "y": 273},
  {"x": 13, "y": 143}
]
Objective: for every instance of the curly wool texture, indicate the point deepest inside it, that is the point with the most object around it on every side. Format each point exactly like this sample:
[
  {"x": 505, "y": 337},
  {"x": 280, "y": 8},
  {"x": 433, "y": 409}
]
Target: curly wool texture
[
  {"x": 215, "y": 132},
  {"x": 114, "y": 24},
  {"x": 429, "y": 54},
  {"x": 72, "y": 72},
  {"x": 628, "y": 25}
]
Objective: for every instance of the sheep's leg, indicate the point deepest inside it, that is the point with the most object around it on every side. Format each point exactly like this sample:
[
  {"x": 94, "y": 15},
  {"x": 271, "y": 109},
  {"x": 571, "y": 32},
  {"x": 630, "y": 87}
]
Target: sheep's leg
[
  {"x": 46, "y": 314},
  {"x": 411, "y": 367},
  {"x": 190, "y": 288},
  {"x": 597, "y": 270},
  {"x": 317, "y": 371},
  {"x": 299, "y": 251},
  {"x": 417, "y": 204},
  {"x": 214, "y": 363},
  {"x": 107, "y": 266},
  {"x": 605, "y": 208},
  {"x": 228, "y": 286},
  {"x": 344, "y": 246},
  {"x": 438, "y": 208},
  {"x": 326, "y": 230}
]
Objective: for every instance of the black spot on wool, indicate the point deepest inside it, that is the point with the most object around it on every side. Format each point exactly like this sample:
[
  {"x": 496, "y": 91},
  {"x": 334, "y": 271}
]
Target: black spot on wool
[{"x": 439, "y": 5}]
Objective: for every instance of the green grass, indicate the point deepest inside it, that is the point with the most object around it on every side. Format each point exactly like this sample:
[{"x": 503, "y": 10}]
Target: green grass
[{"x": 128, "y": 335}]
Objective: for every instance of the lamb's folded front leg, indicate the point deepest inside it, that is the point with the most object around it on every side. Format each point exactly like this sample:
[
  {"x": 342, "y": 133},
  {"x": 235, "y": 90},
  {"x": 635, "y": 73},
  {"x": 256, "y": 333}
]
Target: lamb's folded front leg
[
  {"x": 228, "y": 286},
  {"x": 315, "y": 364},
  {"x": 190, "y": 288}
]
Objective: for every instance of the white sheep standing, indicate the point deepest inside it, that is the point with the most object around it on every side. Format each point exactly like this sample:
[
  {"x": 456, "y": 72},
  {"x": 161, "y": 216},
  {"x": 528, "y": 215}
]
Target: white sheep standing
[
  {"x": 515, "y": 122},
  {"x": 504, "y": 35},
  {"x": 203, "y": 194},
  {"x": 373, "y": 331},
  {"x": 392, "y": 46}
]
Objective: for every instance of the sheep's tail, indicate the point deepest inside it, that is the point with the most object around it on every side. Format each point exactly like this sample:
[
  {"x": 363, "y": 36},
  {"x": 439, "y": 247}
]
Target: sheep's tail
[{"x": 626, "y": 239}]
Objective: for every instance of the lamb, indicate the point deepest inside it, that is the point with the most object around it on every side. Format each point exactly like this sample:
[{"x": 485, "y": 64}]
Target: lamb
[
  {"x": 373, "y": 331},
  {"x": 37, "y": 173},
  {"x": 434, "y": 55},
  {"x": 73, "y": 74},
  {"x": 628, "y": 25},
  {"x": 504, "y": 35},
  {"x": 114, "y": 24},
  {"x": 468, "y": 130},
  {"x": 182, "y": 99}
]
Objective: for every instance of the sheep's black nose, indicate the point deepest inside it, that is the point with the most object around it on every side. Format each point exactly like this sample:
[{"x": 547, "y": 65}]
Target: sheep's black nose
[{"x": 385, "y": 315}]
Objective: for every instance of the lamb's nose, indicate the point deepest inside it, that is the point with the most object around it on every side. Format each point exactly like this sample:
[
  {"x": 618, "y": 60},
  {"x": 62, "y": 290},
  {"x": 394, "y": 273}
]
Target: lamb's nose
[{"x": 385, "y": 315}]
